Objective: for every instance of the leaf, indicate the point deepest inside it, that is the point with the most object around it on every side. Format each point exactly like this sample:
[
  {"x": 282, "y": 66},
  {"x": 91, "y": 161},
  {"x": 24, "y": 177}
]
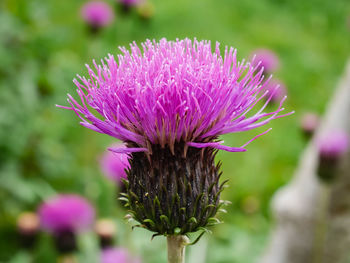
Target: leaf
[
  {"x": 177, "y": 230},
  {"x": 123, "y": 199},
  {"x": 197, "y": 239},
  {"x": 192, "y": 220},
  {"x": 214, "y": 221},
  {"x": 149, "y": 221},
  {"x": 165, "y": 218}
]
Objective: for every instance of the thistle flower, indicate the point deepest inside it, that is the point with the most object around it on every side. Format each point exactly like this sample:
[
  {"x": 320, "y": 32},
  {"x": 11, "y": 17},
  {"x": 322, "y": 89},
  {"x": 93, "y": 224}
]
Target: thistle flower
[
  {"x": 97, "y": 14},
  {"x": 309, "y": 123},
  {"x": 64, "y": 216},
  {"x": 113, "y": 164},
  {"x": 332, "y": 146},
  {"x": 169, "y": 102},
  {"x": 267, "y": 58}
]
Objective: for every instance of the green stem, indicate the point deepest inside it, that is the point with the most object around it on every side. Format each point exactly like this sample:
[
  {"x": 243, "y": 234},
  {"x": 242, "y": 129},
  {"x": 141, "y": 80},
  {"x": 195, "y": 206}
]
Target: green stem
[{"x": 176, "y": 248}]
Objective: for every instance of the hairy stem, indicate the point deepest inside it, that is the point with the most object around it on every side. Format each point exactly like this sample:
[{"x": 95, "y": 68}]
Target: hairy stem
[{"x": 176, "y": 248}]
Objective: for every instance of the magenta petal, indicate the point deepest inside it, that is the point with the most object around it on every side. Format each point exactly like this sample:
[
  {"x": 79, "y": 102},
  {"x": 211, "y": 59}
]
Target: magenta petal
[
  {"x": 66, "y": 212},
  {"x": 215, "y": 145},
  {"x": 113, "y": 165},
  {"x": 127, "y": 150},
  {"x": 256, "y": 137},
  {"x": 64, "y": 107},
  {"x": 162, "y": 92}
]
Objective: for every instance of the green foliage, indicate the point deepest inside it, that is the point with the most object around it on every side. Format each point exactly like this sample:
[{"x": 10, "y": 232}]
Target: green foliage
[{"x": 43, "y": 150}]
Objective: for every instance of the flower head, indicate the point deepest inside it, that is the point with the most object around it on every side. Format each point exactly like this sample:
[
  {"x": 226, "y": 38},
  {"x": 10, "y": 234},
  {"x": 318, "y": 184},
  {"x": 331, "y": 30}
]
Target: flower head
[
  {"x": 267, "y": 58},
  {"x": 169, "y": 101},
  {"x": 333, "y": 144},
  {"x": 170, "y": 92},
  {"x": 278, "y": 89},
  {"x": 97, "y": 14},
  {"x": 114, "y": 164},
  {"x": 309, "y": 123},
  {"x": 66, "y": 213}
]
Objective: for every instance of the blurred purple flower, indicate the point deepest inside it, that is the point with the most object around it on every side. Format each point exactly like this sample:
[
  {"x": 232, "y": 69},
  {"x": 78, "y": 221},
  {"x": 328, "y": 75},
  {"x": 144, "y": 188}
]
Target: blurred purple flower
[
  {"x": 333, "y": 144},
  {"x": 66, "y": 212},
  {"x": 116, "y": 255},
  {"x": 267, "y": 58},
  {"x": 309, "y": 122},
  {"x": 113, "y": 164},
  {"x": 130, "y": 2},
  {"x": 172, "y": 92},
  {"x": 97, "y": 14},
  {"x": 277, "y": 89}
]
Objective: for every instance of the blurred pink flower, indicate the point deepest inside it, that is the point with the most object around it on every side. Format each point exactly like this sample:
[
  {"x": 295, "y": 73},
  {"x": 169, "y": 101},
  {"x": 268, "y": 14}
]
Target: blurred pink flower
[
  {"x": 277, "y": 89},
  {"x": 333, "y": 144},
  {"x": 97, "y": 13},
  {"x": 267, "y": 58},
  {"x": 66, "y": 212},
  {"x": 309, "y": 122},
  {"x": 116, "y": 255},
  {"x": 113, "y": 164}
]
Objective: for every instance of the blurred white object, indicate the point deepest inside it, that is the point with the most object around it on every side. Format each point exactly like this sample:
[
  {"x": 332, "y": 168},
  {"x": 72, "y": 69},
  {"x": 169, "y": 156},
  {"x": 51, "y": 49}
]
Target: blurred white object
[{"x": 313, "y": 218}]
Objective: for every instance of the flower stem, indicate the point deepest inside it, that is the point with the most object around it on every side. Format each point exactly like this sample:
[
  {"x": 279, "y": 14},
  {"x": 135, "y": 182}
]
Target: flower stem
[{"x": 176, "y": 248}]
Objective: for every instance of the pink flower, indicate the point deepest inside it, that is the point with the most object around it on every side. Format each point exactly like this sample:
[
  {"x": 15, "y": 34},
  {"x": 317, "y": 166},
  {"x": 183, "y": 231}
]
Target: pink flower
[
  {"x": 333, "y": 144},
  {"x": 309, "y": 122},
  {"x": 113, "y": 164},
  {"x": 97, "y": 13},
  {"x": 267, "y": 58},
  {"x": 66, "y": 212},
  {"x": 166, "y": 100},
  {"x": 277, "y": 90}
]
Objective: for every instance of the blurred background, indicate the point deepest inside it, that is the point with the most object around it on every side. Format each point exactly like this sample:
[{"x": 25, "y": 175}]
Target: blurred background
[{"x": 44, "y": 151}]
